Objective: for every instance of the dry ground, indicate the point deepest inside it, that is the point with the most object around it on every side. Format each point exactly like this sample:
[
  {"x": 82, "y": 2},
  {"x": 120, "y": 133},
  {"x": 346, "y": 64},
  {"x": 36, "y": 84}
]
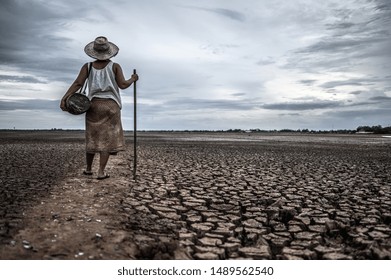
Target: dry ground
[{"x": 197, "y": 196}]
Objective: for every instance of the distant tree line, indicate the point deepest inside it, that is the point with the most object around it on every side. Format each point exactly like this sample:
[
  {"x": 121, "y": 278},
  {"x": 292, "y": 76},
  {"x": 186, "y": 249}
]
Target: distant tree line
[
  {"x": 376, "y": 129},
  {"x": 287, "y": 130}
]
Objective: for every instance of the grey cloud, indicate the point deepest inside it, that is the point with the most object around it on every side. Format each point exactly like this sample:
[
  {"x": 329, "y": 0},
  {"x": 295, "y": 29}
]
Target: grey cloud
[
  {"x": 343, "y": 25},
  {"x": 290, "y": 115},
  {"x": 219, "y": 104},
  {"x": 365, "y": 103},
  {"x": 356, "y": 42},
  {"x": 266, "y": 61},
  {"x": 179, "y": 106},
  {"x": 218, "y": 48},
  {"x": 349, "y": 82},
  {"x": 383, "y": 6},
  {"x": 23, "y": 25},
  {"x": 319, "y": 104},
  {"x": 368, "y": 115},
  {"x": 29, "y": 104},
  {"x": 341, "y": 45},
  {"x": 228, "y": 13},
  {"x": 301, "y": 106},
  {"x": 348, "y": 43},
  {"x": 238, "y": 94},
  {"x": 307, "y": 82},
  {"x": 32, "y": 43},
  {"x": 21, "y": 79},
  {"x": 381, "y": 98},
  {"x": 231, "y": 14}
]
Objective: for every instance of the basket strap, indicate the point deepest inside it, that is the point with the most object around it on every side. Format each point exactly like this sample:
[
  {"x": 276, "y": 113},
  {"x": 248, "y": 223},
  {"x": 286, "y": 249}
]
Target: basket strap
[{"x": 83, "y": 88}]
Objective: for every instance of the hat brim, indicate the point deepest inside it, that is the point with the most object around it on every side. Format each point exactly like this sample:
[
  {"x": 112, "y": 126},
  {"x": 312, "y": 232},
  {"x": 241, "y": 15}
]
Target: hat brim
[{"x": 111, "y": 52}]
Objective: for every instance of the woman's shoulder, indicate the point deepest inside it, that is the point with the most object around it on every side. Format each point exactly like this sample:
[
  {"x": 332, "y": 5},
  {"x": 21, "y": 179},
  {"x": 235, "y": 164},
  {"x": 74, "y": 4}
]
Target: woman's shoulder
[
  {"x": 116, "y": 67},
  {"x": 115, "y": 64}
]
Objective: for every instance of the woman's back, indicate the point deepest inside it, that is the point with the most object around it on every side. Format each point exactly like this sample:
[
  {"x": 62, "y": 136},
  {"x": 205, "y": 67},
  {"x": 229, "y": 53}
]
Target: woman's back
[{"x": 102, "y": 82}]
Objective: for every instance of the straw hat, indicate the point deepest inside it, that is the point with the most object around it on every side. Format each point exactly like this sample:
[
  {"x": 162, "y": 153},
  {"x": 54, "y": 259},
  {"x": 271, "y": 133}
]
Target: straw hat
[{"x": 101, "y": 49}]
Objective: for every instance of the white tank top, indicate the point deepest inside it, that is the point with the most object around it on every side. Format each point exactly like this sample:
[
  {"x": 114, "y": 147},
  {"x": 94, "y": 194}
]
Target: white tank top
[{"x": 102, "y": 84}]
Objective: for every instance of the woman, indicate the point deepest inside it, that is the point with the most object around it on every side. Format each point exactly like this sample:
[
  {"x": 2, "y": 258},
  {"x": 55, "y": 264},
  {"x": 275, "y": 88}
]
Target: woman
[{"x": 104, "y": 134}]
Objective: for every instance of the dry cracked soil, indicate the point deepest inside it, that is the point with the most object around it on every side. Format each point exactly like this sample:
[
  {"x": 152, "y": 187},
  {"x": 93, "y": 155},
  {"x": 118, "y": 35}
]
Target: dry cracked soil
[{"x": 197, "y": 196}]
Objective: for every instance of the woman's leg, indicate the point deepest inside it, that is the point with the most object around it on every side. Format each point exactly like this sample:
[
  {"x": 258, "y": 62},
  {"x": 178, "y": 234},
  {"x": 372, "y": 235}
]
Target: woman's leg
[
  {"x": 104, "y": 158},
  {"x": 90, "y": 160}
]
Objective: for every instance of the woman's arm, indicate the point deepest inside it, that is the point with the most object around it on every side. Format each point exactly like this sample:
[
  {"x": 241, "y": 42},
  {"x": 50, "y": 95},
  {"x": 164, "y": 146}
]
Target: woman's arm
[
  {"x": 120, "y": 79},
  {"x": 76, "y": 85}
]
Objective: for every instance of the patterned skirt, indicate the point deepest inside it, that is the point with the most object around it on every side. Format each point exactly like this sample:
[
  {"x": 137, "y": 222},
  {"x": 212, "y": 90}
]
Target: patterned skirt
[{"x": 104, "y": 131}]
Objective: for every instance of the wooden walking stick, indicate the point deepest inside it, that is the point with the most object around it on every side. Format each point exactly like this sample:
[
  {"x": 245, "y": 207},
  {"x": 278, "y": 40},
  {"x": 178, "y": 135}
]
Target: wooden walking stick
[{"x": 134, "y": 128}]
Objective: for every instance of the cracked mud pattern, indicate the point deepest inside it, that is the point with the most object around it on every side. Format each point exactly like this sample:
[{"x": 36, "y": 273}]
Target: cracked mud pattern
[{"x": 203, "y": 196}]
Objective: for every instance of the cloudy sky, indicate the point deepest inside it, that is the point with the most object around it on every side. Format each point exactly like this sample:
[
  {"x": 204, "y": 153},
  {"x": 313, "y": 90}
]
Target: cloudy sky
[{"x": 205, "y": 64}]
